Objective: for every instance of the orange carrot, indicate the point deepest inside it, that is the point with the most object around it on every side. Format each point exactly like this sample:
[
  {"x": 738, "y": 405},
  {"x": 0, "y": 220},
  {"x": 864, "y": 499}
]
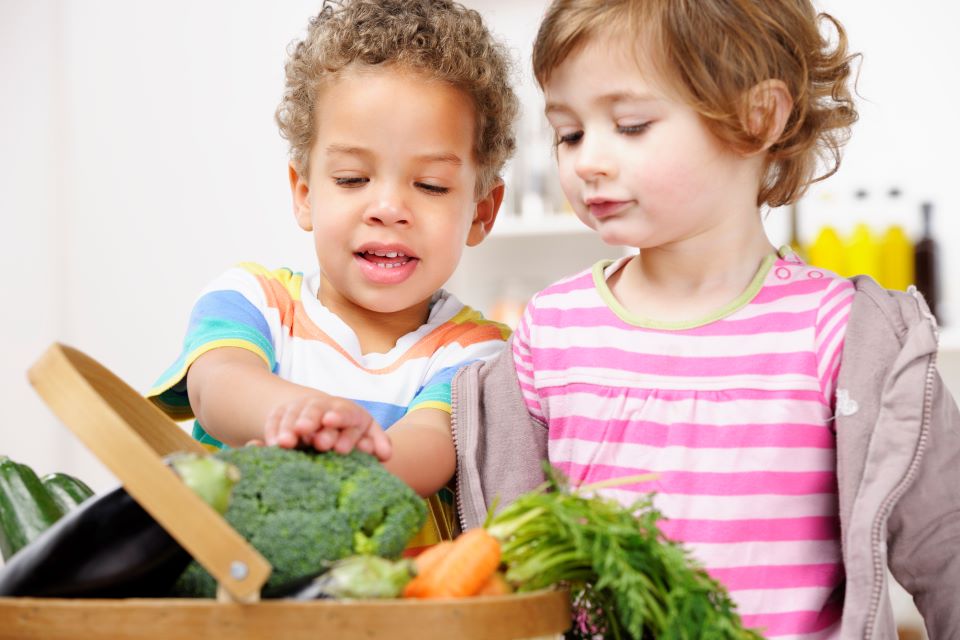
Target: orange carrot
[
  {"x": 497, "y": 585},
  {"x": 426, "y": 561},
  {"x": 471, "y": 560}
]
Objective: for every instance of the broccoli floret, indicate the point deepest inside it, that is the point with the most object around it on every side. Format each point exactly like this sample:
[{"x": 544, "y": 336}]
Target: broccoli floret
[{"x": 304, "y": 509}]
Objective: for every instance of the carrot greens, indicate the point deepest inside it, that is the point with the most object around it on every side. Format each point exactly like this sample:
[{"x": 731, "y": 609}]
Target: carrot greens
[{"x": 626, "y": 579}]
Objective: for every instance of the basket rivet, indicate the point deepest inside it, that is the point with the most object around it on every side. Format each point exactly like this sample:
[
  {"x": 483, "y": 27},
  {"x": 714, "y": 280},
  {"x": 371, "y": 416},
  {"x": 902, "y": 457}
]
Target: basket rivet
[{"x": 238, "y": 570}]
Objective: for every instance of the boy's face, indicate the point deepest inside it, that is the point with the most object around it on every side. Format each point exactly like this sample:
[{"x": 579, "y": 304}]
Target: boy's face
[
  {"x": 638, "y": 165},
  {"x": 390, "y": 196}
]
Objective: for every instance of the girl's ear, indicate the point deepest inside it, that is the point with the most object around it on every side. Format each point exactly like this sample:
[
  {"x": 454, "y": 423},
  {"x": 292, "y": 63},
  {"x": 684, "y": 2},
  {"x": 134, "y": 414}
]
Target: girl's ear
[
  {"x": 769, "y": 105},
  {"x": 300, "y": 191},
  {"x": 485, "y": 215}
]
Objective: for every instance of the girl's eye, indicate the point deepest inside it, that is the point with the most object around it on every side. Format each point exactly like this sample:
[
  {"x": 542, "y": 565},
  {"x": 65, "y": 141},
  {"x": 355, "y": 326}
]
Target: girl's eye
[
  {"x": 432, "y": 188},
  {"x": 569, "y": 138},
  {"x": 633, "y": 129},
  {"x": 351, "y": 182}
]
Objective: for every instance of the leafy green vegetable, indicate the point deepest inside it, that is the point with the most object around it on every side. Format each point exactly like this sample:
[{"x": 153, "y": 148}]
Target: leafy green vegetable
[
  {"x": 303, "y": 509},
  {"x": 625, "y": 577}
]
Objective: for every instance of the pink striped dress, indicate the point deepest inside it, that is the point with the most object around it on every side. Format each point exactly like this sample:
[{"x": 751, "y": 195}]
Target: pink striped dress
[{"x": 733, "y": 413}]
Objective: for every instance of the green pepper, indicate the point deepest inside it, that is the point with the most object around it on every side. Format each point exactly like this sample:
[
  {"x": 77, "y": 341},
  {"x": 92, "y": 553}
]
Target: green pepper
[
  {"x": 26, "y": 508},
  {"x": 68, "y": 492}
]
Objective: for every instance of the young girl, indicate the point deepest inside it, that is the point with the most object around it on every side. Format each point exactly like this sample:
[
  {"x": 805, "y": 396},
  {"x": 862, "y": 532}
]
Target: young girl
[{"x": 800, "y": 435}]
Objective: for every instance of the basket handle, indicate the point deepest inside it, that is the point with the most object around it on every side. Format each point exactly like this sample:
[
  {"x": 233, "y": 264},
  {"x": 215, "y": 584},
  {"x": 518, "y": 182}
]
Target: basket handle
[{"x": 130, "y": 435}]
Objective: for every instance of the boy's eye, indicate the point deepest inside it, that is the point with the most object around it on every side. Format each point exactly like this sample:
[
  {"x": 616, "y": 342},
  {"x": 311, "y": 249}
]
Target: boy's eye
[
  {"x": 569, "y": 138},
  {"x": 351, "y": 182},
  {"x": 432, "y": 188},
  {"x": 633, "y": 129}
]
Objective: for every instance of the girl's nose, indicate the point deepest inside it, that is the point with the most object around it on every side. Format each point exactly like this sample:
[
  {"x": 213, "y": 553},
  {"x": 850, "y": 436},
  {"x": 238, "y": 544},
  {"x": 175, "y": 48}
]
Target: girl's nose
[
  {"x": 594, "y": 159},
  {"x": 387, "y": 209}
]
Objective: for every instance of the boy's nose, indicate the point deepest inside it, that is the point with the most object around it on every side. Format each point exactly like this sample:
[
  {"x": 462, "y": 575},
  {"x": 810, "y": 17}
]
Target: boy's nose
[
  {"x": 388, "y": 209},
  {"x": 594, "y": 159}
]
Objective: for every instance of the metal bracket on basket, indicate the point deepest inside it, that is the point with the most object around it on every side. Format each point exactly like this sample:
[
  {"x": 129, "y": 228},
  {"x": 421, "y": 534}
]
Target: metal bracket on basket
[{"x": 130, "y": 436}]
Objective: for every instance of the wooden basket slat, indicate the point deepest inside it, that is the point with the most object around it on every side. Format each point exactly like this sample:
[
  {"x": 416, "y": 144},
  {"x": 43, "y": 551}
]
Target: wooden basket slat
[{"x": 530, "y": 615}]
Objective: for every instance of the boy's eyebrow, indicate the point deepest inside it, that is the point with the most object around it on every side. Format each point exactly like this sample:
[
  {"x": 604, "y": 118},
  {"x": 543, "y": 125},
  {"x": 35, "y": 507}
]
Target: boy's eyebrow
[
  {"x": 605, "y": 99},
  {"x": 450, "y": 158},
  {"x": 348, "y": 150}
]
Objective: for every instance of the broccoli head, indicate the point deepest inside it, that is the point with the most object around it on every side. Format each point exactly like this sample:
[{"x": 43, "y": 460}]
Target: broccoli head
[{"x": 304, "y": 509}]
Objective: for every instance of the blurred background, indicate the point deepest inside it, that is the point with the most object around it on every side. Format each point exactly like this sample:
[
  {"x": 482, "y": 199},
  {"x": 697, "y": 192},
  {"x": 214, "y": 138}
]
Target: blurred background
[{"x": 139, "y": 158}]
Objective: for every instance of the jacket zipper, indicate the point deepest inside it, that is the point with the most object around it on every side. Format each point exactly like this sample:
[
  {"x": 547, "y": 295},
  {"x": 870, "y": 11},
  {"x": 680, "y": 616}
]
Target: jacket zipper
[
  {"x": 879, "y": 564},
  {"x": 458, "y": 492}
]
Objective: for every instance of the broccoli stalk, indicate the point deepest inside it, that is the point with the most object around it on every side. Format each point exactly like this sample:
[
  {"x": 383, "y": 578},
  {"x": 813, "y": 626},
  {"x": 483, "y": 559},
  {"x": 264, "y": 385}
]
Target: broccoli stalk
[{"x": 208, "y": 477}]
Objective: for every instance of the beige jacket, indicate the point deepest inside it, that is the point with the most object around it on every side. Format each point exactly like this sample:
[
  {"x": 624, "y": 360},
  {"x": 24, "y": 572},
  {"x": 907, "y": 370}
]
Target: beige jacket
[{"x": 898, "y": 461}]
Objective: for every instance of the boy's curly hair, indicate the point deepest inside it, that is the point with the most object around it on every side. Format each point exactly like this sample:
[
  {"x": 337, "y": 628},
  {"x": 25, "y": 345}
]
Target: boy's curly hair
[
  {"x": 438, "y": 38},
  {"x": 712, "y": 52}
]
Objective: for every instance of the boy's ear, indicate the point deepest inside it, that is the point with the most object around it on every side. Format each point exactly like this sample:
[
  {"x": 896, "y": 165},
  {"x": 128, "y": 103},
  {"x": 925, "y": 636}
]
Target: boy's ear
[
  {"x": 485, "y": 214},
  {"x": 300, "y": 191},
  {"x": 769, "y": 104}
]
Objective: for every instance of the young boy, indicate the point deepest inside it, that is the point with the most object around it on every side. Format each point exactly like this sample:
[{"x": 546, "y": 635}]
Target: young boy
[{"x": 399, "y": 115}]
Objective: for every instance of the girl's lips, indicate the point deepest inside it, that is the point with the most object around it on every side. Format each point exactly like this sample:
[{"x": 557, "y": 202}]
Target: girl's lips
[
  {"x": 601, "y": 209},
  {"x": 385, "y": 269}
]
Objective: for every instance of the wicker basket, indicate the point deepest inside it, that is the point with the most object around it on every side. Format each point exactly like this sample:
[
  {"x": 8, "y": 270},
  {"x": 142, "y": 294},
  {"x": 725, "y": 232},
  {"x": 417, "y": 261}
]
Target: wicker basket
[{"x": 131, "y": 436}]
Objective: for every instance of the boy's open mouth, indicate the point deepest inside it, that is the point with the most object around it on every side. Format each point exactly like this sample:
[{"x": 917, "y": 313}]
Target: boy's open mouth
[{"x": 385, "y": 259}]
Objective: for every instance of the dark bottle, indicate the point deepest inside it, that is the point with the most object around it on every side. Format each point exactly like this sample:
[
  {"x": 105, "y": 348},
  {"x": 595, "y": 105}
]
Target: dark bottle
[{"x": 925, "y": 259}]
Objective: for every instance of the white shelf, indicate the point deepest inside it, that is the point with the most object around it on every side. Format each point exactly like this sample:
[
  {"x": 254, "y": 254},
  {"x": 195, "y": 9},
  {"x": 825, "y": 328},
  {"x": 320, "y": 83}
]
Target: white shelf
[
  {"x": 546, "y": 225},
  {"x": 950, "y": 340}
]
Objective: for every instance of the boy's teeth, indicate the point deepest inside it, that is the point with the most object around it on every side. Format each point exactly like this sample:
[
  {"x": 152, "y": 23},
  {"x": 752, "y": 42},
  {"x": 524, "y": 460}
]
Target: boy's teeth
[{"x": 388, "y": 254}]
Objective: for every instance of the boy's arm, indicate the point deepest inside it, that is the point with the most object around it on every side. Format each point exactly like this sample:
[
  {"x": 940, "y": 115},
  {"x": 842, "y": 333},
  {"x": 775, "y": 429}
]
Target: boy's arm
[
  {"x": 422, "y": 455},
  {"x": 237, "y": 400}
]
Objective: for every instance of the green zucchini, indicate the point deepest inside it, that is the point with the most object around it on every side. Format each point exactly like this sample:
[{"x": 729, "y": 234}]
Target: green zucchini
[
  {"x": 68, "y": 492},
  {"x": 26, "y": 508}
]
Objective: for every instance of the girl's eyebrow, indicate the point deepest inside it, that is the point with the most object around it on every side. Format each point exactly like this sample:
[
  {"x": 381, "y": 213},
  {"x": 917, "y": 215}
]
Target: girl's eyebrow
[{"x": 605, "y": 100}]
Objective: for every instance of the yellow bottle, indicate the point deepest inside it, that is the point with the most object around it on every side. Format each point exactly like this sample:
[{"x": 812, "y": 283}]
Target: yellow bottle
[
  {"x": 827, "y": 252},
  {"x": 896, "y": 259},
  {"x": 863, "y": 253}
]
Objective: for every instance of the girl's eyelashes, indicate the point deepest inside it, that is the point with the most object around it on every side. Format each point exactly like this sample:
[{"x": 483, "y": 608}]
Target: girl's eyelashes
[
  {"x": 569, "y": 138},
  {"x": 633, "y": 129},
  {"x": 573, "y": 137},
  {"x": 351, "y": 182}
]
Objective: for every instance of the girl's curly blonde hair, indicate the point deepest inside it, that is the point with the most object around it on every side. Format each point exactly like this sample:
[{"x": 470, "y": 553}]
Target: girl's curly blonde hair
[
  {"x": 713, "y": 52},
  {"x": 437, "y": 38}
]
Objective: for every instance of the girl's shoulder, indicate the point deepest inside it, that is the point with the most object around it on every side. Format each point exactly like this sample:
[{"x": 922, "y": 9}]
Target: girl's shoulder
[{"x": 792, "y": 282}]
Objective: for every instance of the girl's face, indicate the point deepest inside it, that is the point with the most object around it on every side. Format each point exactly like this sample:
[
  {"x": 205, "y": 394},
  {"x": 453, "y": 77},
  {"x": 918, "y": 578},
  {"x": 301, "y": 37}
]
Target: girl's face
[
  {"x": 390, "y": 197},
  {"x": 638, "y": 165}
]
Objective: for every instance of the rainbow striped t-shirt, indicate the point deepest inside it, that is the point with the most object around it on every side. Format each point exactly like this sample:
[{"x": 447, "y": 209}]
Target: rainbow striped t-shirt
[
  {"x": 733, "y": 413},
  {"x": 277, "y": 315}
]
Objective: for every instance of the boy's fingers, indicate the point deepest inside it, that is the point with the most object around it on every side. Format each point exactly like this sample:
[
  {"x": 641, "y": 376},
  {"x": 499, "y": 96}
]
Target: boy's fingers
[
  {"x": 324, "y": 439},
  {"x": 354, "y": 426},
  {"x": 366, "y": 444},
  {"x": 287, "y": 436},
  {"x": 382, "y": 446},
  {"x": 309, "y": 418},
  {"x": 271, "y": 427}
]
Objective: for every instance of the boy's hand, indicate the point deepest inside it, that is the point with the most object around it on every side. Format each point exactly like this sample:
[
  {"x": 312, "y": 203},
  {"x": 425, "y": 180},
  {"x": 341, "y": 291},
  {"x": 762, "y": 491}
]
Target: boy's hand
[{"x": 326, "y": 422}]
